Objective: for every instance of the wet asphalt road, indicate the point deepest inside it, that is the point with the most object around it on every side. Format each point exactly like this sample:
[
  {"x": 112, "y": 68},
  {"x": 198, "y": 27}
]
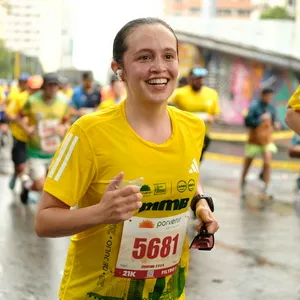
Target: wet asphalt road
[
  {"x": 238, "y": 149},
  {"x": 257, "y": 253}
]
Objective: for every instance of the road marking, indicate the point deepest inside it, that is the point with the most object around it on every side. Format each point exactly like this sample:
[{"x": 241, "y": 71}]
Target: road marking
[
  {"x": 276, "y": 164},
  {"x": 242, "y": 137}
]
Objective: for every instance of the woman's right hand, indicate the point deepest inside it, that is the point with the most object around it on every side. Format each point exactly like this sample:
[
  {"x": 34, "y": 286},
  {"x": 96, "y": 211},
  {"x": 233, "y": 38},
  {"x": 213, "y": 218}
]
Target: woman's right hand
[{"x": 118, "y": 204}]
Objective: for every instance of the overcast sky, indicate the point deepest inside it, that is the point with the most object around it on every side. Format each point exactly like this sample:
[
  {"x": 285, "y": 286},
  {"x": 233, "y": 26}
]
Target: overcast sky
[{"x": 95, "y": 25}]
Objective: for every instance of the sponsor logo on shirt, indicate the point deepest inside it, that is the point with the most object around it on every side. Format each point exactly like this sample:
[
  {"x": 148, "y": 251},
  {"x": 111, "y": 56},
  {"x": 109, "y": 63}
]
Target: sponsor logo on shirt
[{"x": 168, "y": 205}]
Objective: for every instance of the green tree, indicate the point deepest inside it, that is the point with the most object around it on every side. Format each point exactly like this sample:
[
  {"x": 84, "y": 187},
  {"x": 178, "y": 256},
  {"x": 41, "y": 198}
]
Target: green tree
[
  {"x": 6, "y": 61},
  {"x": 277, "y": 13}
]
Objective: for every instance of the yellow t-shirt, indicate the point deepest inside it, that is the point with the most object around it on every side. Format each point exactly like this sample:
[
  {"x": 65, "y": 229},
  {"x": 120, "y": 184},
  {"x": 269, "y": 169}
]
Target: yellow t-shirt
[
  {"x": 13, "y": 108},
  {"x": 294, "y": 102},
  {"x": 2, "y": 94},
  {"x": 98, "y": 147},
  {"x": 45, "y": 117},
  {"x": 13, "y": 94},
  {"x": 68, "y": 93},
  {"x": 204, "y": 101}
]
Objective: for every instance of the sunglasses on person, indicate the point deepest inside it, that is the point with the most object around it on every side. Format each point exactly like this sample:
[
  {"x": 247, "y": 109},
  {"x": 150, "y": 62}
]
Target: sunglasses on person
[
  {"x": 204, "y": 240},
  {"x": 199, "y": 72}
]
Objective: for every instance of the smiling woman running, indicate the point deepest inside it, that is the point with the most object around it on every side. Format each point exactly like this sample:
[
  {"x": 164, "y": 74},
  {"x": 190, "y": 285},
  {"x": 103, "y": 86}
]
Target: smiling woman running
[{"x": 129, "y": 242}]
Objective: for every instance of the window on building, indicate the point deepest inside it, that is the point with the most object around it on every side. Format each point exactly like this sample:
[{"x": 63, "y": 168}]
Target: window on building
[
  {"x": 178, "y": 13},
  {"x": 224, "y": 12},
  {"x": 243, "y": 12},
  {"x": 195, "y": 10}
]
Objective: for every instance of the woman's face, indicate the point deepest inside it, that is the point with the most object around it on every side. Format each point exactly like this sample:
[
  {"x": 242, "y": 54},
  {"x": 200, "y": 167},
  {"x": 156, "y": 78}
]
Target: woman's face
[{"x": 151, "y": 63}]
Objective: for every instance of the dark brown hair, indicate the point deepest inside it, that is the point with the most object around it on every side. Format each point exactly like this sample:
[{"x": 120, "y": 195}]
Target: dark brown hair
[{"x": 120, "y": 46}]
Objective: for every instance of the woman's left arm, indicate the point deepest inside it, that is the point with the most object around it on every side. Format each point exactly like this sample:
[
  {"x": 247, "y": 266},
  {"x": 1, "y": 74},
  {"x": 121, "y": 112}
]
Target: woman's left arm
[{"x": 204, "y": 213}]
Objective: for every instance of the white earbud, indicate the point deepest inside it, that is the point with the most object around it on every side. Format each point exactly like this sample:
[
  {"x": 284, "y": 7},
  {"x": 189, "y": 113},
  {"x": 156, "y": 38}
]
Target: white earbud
[{"x": 119, "y": 74}]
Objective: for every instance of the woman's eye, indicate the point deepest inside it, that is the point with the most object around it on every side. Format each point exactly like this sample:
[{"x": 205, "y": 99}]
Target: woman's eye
[
  {"x": 169, "y": 56},
  {"x": 145, "y": 57}
]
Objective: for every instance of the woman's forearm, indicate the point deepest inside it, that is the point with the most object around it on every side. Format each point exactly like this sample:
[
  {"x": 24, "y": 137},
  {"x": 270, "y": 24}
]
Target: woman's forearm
[{"x": 60, "y": 222}]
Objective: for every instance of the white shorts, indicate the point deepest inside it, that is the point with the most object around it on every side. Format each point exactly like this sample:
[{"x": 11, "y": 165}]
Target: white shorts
[{"x": 38, "y": 167}]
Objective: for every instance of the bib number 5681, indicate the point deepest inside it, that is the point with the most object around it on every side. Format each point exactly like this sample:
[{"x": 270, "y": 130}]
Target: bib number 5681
[{"x": 155, "y": 247}]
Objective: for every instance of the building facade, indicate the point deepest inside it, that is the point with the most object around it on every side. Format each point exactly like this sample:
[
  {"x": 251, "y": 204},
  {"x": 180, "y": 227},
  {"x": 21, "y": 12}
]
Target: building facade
[
  {"x": 36, "y": 28},
  {"x": 241, "y": 9}
]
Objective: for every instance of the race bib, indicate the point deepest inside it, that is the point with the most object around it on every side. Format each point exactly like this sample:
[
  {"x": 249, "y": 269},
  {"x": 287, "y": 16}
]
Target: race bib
[
  {"x": 49, "y": 139},
  {"x": 201, "y": 115},
  {"x": 151, "y": 247}
]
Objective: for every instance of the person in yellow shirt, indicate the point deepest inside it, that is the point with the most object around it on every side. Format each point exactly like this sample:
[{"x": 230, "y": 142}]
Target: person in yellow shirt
[
  {"x": 292, "y": 117},
  {"x": 22, "y": 86},
  {"x": 198, "y": 99},
  {"x": 4, "y": 129},
  {"x": 2, "y": 104},
  {"x": 2, "y": 92},
  {"x": 120, "y": 167},
  {"x": 114, "y": 94},
  {"x": 14, "y": 107},
  {"x": 43, "y": 117}
]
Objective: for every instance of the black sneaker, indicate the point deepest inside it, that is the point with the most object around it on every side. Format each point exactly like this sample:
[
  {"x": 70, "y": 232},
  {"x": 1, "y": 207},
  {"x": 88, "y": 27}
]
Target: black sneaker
[{"x": 24, "y": 196}]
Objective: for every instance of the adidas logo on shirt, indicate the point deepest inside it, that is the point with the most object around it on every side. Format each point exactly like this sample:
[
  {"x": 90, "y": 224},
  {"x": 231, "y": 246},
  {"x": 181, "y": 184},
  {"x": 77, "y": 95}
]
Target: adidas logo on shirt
[{"x": 194, "y": 167}]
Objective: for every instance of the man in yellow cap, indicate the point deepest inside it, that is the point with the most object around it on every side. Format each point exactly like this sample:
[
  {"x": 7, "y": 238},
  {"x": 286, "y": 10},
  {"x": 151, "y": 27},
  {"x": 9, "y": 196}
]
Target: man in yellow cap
[{"x": 198, "y": 99}]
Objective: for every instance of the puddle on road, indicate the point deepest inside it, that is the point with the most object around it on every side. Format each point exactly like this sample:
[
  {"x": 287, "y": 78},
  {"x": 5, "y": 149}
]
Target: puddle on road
[
  {"x": 258, "y": 260},
  {"x": 254, "y": 203}
]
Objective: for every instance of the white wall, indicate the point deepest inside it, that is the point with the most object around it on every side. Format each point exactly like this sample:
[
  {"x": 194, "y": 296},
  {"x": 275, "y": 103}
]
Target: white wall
[{"x": 34, "y": 28}]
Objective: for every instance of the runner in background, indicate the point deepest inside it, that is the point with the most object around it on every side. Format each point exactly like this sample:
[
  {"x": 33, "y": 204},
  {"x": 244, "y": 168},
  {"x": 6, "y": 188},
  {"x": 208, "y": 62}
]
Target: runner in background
[
  {"x": 102, "y": 164},
  {"x": 22, "y": 87},
  {"x": 44, "y": 119},
  {"x": 114, "y": 94},
  {"x": 5, "y": 137},
  {"x": 198, "y": 99},
  {"x": 2, "y": 104},
  {"x": 261, "y": 121},
  {"x": 293, "y": 112},
  {"x": 66, "y": 89},
  {"x": 8, "y": 88},
  {"x": 183, "y": 81},
  {"x": 19, "y": 156},
  {"x": 86, "y": 98}
]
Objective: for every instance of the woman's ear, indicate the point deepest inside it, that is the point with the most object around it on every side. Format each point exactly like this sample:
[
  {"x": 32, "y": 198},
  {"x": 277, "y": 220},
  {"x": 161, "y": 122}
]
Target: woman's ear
[{"x": 115, "y": 66}]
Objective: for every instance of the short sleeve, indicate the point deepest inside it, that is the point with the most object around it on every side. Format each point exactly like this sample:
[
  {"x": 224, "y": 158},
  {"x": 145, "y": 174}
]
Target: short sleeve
[
  {"x": 216, "y": 108},
  {"x": 294, "y": 102},
  {"x": 25, "y": 110},
  {"x": 12, "y": 108},
  {"x": 200, "y": 135},
  {"x": 72, "y": 169}
]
